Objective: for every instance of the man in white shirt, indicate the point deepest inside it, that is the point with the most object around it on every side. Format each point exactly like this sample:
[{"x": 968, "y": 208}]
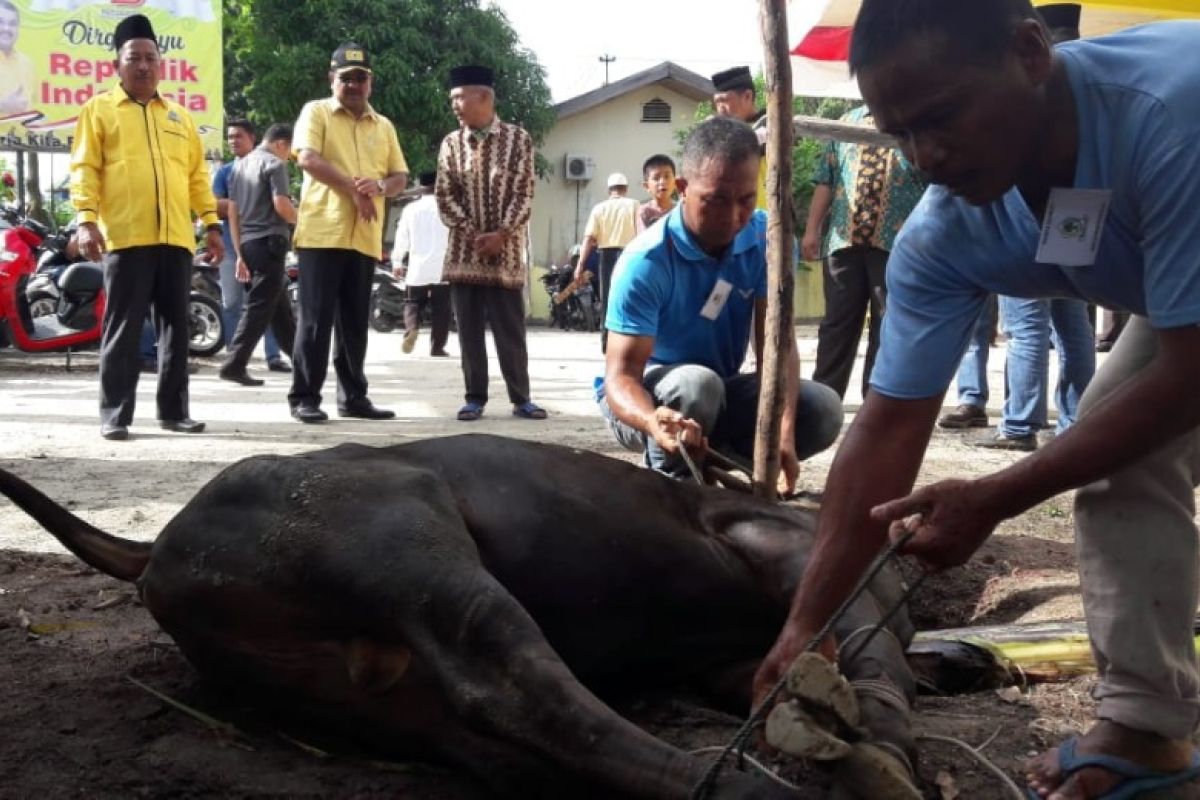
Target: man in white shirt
[{"x": 421, "y": 237}]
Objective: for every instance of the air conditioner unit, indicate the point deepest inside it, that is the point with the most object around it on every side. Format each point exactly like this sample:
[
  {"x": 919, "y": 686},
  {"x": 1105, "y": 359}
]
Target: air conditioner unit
[{"x": 578, "y": 167}]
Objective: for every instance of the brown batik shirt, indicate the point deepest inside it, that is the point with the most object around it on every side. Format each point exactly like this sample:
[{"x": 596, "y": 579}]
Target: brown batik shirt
[{"x": 485, "y": 184}]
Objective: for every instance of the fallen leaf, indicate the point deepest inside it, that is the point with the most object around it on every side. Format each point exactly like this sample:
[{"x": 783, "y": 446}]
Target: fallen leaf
[{"x": 1010, "y": 694}]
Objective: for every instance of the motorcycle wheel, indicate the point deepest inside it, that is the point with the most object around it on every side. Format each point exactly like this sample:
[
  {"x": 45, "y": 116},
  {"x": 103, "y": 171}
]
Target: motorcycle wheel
[
  {"x": 206, "y": 325},
  {"x": 41, "y": 305},
  {"x": 380, "y": 320}
]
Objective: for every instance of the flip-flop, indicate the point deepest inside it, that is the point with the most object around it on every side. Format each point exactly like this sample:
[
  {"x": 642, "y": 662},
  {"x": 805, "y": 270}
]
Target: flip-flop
[
  {"x": 1136, "y": 779},
  {"x": 528, "y": 410},
  {"x": 470, "y": 412}
]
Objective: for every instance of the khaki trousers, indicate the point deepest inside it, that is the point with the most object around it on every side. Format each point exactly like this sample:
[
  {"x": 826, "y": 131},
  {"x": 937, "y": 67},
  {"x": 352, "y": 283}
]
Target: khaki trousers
[{"x": 1138, "y": 565}]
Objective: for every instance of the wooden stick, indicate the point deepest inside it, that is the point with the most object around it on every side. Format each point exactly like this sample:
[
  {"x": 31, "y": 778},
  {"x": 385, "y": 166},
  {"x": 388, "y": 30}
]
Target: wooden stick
[
  {"x": 831, "y": 129},
  {"x": 772, "y": 16}
]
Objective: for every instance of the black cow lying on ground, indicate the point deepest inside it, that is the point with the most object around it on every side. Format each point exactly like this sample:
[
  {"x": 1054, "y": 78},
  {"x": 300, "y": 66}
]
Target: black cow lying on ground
[{"x": 467, "y": 599}]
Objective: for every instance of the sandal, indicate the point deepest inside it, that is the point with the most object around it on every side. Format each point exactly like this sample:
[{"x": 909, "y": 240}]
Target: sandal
[
  {"x": 528, "y": 410},
  {"x": 1135, "y": 779},
  {"x": 470, "y": 412}
]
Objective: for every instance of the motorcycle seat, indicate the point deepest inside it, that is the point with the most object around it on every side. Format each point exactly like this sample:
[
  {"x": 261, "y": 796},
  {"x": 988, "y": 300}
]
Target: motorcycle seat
[{"x": 82, "y": 277}]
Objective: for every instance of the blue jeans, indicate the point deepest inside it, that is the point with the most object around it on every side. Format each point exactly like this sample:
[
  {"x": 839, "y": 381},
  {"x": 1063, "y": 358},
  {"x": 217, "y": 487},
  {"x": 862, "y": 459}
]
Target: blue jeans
[
  {"x": 233, "y": 300},
  {"x": 972, "y": 370},
  {"x": 727, "y": 411},
  {"x": 1030, "y": 324}
]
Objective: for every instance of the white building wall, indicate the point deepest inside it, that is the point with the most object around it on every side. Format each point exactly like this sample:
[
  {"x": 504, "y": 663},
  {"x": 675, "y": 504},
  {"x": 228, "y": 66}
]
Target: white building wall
[{"x": 613, "y": 134}]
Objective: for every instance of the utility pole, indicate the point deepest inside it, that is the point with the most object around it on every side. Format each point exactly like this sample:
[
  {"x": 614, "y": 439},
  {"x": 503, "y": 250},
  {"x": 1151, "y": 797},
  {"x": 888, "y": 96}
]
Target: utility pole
[{"x": 607, "y": 59}]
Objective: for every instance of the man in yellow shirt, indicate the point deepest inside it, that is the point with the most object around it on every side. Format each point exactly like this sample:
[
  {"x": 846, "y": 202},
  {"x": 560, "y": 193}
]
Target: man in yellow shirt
[
  {"x": 351, "y": 160},
  {"x": 16, "y": 70},
  {"x": 611, "y": 225},
  {"x": 137, "y": 176}
]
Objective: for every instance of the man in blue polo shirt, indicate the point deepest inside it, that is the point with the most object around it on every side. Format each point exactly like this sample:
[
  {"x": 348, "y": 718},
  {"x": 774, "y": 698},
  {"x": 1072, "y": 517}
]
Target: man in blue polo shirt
[
  {"x": 679, "y": 318},
  {"x": 1060, "y": 173}
]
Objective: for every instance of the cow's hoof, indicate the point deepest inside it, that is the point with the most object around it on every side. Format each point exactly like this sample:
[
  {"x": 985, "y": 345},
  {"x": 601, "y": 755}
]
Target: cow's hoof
[
  {"x": 870, "y": 772},
  {"x": 819, "y": 686},
  {"x": 791, "y": 730}
]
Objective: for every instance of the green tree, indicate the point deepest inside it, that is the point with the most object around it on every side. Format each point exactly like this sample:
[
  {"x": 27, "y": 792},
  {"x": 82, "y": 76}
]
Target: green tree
[{"x": 277, "y": 56}]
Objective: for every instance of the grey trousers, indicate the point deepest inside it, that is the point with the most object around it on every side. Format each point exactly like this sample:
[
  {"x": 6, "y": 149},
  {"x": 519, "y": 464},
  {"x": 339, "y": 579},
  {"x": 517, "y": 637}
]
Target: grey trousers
[
  {"x": 1139, "y": 565},
  {"x": 135, "y": 279},
  {"x": 476, "y": 307},
  {"x": 727, "y": 411}
]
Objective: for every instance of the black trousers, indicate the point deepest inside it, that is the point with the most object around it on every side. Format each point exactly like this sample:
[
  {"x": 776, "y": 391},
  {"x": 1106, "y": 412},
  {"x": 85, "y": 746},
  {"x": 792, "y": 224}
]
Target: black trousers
[
  {"x": 136, "y": 279},
  {"x": 854, "y": 282},
  {"x": 475, "y": 307},
  {"x": 608, "y": 260},
  {"x": 436, "y": 295},
  {"x": 335, "y": 297},
  {"x": 266, "y": 302}
]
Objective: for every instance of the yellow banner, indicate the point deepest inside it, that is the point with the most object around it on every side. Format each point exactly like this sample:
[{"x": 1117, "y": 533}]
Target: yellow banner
[{"x": 55, "y": 55}]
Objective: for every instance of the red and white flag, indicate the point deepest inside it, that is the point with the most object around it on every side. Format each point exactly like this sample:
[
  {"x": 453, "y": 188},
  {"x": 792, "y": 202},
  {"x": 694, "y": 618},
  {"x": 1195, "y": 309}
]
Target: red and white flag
[{"x": 821, "y": 30}]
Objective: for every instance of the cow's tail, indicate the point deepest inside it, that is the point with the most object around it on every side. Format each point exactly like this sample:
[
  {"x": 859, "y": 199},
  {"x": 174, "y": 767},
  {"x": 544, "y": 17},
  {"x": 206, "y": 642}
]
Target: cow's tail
[{"x": 120, "y": 558}]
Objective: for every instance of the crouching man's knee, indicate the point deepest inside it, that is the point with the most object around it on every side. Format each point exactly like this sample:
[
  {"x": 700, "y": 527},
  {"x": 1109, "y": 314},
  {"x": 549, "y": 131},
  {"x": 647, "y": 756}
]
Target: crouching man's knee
[{"x": 819, "y": 418}]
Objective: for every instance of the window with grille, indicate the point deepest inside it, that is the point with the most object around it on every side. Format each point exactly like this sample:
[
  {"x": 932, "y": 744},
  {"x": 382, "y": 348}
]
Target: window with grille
[{"x": 656, "y": 110}]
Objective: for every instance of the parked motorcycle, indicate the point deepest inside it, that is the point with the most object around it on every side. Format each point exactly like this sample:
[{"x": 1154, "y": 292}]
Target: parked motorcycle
[
  {"x": 388, "y": 296},
  {"x": 78, "y": 307},
  {"x": 572, "y": 307},
  {"x": 44, "y": 290}
]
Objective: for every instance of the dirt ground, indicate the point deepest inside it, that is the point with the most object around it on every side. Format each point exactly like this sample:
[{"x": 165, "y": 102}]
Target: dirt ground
[{"x": 94, "y": 699}]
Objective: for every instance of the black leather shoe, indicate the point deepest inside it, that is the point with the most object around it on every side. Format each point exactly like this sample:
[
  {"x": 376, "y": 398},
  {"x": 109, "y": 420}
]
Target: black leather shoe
[
  {"x": 440, "y": 354},
  {"x": 278, "y": 365},
  {"x": 114, "y": 432},
  {"x": 365, "y": 409},
  {"x": 185, "y": 425},
  {"x": 242, "y": 378},
  {"x": 309, "y": 414}
]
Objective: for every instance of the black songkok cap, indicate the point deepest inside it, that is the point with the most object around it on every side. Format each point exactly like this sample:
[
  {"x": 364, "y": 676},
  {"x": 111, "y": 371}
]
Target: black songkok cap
[
  {"x": 350, "y": 56},
  {"x": 471, "y": 75},
  {"x": 1061, "y": 15},
  {"x": 427, "y": 179},
  {"x": 733, "y": 79},
  {"x": 135, "y": 26}
]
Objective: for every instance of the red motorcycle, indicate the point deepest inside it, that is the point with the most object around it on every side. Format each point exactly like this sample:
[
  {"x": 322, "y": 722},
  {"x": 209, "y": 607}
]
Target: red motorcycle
[{"x": 79, "y": 310}]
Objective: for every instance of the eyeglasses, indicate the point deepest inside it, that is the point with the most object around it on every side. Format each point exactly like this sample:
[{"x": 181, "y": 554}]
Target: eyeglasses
[{"x": 354, "y": 77}]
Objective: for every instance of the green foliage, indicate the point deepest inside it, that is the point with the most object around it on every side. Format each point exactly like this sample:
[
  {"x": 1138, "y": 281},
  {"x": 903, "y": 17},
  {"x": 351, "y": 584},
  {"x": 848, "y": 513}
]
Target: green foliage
[
  {"x": 805, "y": 152},
  {"x": 277, "y": 57}
]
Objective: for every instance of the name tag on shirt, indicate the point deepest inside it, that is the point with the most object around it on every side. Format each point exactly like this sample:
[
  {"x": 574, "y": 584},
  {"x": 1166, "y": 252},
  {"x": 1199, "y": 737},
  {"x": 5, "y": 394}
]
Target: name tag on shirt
[
  {"x": 1072, "y": 226},
  {"x": 716, "y": 301}
]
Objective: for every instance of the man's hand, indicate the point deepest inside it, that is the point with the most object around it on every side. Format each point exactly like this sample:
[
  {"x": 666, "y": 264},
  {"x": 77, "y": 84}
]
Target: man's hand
[
  {"x": 790, "y": 644},
  {"x": 669, "y": 428},
  {"x": 91, "y": 243},
  {"x": 367, "y": 187},
  {"x": 365, "y": 206},
  {"x": 949, "y": 520},
  {"x": 810, "y": 246},
  {"x": 489, "y": 244},
  {"x": 400, "y": 272},
  {"x": 242, "y": 272},
  {"x": 214, "y": 245},
  {"x": 789, "y": 468}
]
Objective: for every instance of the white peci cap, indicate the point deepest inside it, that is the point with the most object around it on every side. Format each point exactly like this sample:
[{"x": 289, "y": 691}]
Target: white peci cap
[{"x": 617, "y": 179}]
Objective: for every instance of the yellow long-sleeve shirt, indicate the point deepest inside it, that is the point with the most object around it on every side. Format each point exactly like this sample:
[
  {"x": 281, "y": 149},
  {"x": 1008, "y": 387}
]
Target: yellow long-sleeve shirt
[{"x": 139, "y": 171}]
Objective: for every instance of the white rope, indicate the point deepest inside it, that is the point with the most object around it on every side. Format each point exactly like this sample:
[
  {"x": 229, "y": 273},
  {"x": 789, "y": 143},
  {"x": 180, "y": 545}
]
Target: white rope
[
  {"x": 753, "y": 762},
  {"x": 982, "y": 759}
]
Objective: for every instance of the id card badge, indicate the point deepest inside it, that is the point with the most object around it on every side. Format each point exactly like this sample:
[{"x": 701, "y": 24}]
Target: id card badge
[
  {"x": 1072, "y": 226},
  {"x": 716, "y": 301}
]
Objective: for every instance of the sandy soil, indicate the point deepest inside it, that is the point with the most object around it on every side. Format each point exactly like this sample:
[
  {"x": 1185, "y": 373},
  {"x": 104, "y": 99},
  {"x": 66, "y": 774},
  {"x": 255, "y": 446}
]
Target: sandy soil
[{"x": 74, "y": 723}]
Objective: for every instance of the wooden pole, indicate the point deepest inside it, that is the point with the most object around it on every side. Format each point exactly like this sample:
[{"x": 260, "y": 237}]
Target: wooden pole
[{"x": 781, "y": 255}]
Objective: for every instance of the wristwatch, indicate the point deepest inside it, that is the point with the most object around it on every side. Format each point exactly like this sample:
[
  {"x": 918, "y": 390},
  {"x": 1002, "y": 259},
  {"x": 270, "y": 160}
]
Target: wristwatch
[
  {"x": 214, "y": 227},
  {"x": 382, "y": 184}
]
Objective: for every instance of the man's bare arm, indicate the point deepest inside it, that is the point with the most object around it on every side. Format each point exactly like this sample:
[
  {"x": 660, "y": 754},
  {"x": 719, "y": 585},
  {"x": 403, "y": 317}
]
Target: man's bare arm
[
  {"x": 879, "y": 458},
  {"x": 632, "y": 404}
]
